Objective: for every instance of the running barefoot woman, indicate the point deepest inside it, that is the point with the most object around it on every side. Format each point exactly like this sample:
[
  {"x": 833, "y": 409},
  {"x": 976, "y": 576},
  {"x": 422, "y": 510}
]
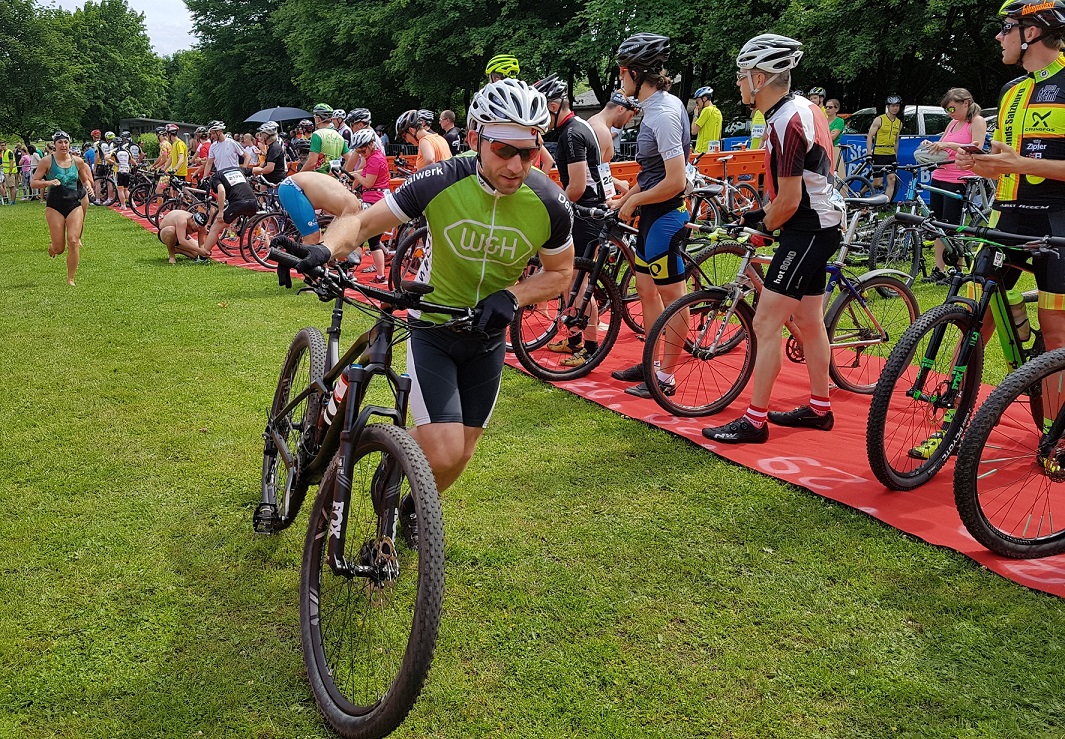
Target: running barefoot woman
[{"x": 68, "y": 180}]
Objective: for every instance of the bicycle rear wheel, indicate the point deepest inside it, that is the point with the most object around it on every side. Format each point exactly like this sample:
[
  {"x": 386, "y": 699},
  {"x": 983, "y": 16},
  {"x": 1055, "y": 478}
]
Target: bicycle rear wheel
[
  {"x": 255, "y": 241},
  {"x": 895, "y": 246},
  {"x": 908, "y": 439},
  {"x": 863, "y": 330},
  {"x": 230, "y": 237},
  {"x": 705, "y": 210},
  {"x": 283, "y": 487},
  {"x": 714, "y": 352},
  {"x": 532, "y": 324},
  {"x": 1009, "y": 482},
  {"x": 104, "y": 190},
  {"x": 369, "y": 631},
  {"x": 138, "y": 197}
]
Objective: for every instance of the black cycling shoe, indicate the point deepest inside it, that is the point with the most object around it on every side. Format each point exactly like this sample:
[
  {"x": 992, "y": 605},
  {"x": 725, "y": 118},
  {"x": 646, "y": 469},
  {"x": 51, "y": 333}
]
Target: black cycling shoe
[
  {"x": 408, "y": 522},
  {"x": 740, "y": 431},
  {"x": 803, "y": 418},
  {"x": 629, "y": 374},
  {"x": 642, "y": 391},
  {"x": 935, "y": 275}
]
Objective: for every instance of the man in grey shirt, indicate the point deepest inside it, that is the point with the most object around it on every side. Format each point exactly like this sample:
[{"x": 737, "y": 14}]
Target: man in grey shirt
[{"x": 224, "y": 153}]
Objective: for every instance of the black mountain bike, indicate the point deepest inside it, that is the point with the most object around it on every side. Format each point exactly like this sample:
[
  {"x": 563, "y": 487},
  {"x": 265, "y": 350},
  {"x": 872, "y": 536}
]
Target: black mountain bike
[
  {"x": 927, "y": 391},
  {"x": 369, "y": 606}
]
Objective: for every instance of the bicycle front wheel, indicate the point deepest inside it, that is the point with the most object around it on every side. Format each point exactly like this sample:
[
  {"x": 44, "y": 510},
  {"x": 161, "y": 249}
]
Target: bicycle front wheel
[
  {"x": 709, "y": 343},
  {"x": 369, "y": 624},
  {"x": 410, "y": 253},
  {"x": 864, "y": 328},
  {"x": 255, "y": 241},
  {"x": 1009, "y": 483},
  {"x": 557, "y": 360},
  {"x": 284, "y": 487},
  {"x": 913, "y": 427}
]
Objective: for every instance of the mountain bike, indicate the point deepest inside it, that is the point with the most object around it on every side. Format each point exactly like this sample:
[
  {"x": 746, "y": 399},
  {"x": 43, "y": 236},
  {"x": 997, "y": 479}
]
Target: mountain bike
[
  {"x": 901, "y": 246},
  {"x": 595, "y": 283},
  {"x": 1009, "y": 481},
  {"x": 105, "y": 185},
  {"x": 927, "y": 391},
  {"x": 718, "y": 346},
  {"x": 717, "y": 199},
  {"x": 369, "y": 606}
]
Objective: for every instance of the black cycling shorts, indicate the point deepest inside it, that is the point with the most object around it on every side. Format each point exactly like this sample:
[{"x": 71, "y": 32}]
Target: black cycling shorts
[
  {"x": 585, "y": 236},
  {"x": 798, "y": 267},
  {"x": 235, "y": 208},
  {"x": 1049, "y": 270},
  {"x": 123, "y": 179},
  {"x": 455, "y": 376}
]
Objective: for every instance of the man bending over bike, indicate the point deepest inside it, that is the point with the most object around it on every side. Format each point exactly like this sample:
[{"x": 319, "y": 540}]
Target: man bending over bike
[
  {"x": 808, "y": 211},
  {"x": 487, "y": 215}
]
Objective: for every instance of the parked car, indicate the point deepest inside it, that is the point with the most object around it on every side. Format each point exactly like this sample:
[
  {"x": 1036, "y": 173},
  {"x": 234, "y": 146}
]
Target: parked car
[{"x": 917, "y": 120}]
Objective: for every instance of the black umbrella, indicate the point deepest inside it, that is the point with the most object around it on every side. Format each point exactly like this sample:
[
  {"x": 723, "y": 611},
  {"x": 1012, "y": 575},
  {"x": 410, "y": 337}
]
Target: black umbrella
[{"x": 277, "y": 114}]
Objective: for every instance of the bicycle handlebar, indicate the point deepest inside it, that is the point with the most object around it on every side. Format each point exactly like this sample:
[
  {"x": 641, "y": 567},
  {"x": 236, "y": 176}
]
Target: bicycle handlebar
[
  {"x": 1031, "y": 243},
  {"x": 602, "y": 214},
  {"x": 330, "y": 284}
]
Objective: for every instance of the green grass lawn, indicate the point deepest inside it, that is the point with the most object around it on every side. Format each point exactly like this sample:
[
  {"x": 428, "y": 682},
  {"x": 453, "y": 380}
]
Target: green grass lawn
[{"x": 604, "y": 579}]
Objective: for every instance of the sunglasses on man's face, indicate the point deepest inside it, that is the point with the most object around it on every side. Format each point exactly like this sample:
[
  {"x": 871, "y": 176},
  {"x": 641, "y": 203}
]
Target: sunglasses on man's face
[
  {"x": 504, "y": 150},
  {"x": 1008, "y": 26}
]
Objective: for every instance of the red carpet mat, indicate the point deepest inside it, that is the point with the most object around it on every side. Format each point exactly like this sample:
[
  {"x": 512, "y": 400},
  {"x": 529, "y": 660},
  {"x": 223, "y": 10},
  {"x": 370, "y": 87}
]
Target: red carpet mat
[{"x": 831, "y": 464}]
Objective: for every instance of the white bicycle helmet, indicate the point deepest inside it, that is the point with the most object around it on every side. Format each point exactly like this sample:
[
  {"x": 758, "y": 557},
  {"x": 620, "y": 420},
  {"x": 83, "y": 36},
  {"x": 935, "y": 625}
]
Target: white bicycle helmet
[
  {"x": 508, "y": 101},
  {"x": 362, "y": 137},
  {"x": 771, "y": 53},
  {"x": 269, "y": 128}
]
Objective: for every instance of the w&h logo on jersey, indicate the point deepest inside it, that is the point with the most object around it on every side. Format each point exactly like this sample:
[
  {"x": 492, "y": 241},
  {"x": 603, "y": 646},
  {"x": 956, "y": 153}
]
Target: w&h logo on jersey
[{"x": 479, "y": 242}]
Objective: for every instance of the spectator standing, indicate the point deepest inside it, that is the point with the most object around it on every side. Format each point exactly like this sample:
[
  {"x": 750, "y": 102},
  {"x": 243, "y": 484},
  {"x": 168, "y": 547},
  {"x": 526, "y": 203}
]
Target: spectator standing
[
  {"x": 382, "y": 136},
  {"x": 882, "y": 141},
  {"x": 708, "y": 120},
  {"x": 9, "y": 172},
  {"x": 26, "y": 166},
  {"x": 966, "y": 128},
  {"x": 35, "y": 159},
  {"x": 274, "y": 166},
  {"x": 836, "y": 126},
  {"x": 451, "y": 131}
]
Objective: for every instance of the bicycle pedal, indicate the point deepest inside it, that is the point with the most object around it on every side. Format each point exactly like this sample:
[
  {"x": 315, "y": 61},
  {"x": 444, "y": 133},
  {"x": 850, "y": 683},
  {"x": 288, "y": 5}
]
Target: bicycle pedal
[{"x": 265, "y": 519}]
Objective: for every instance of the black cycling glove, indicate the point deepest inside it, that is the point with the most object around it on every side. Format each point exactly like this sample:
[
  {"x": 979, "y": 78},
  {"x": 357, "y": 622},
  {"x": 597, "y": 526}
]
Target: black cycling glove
[
  {"x": 496, "y": 311},
  {"x": 752, "y": 217},
  {"x": 312, "y": 256}
]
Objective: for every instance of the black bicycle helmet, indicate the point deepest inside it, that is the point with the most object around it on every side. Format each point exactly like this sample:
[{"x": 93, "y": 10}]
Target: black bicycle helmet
[
  {"x": 1046, "y": 14},
  {"x": 619, "y": 98},
  {"x": 552, "y": 87},
  {"x": 819, "y": 91},
  {"x": 644, "y": 51},
  {"x": 359, "y": 115}
]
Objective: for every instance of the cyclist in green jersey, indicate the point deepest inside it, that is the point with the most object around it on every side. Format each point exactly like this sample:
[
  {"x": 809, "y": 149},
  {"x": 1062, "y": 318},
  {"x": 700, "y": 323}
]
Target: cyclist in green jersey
[
  {"x": 327, "y": 145},
  {"x": 487, "y": 214}
]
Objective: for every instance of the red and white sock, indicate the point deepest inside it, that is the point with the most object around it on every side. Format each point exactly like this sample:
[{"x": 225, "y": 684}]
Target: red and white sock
[
  {"x": 756, "y": 416},
  {"x": 820, "y": 406}
]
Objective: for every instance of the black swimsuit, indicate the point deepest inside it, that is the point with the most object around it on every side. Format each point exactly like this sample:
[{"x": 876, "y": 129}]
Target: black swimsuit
[{"x": 66, "y": 197}]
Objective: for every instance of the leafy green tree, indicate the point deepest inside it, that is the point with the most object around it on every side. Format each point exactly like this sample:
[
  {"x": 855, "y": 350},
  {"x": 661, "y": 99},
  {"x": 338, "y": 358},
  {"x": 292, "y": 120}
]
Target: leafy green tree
[
  {"x": 185, "y": 99},
  {"x": 118, "y": 72},
  {"x": 38, "y": 90},
  {"x": 242, "y": 66}
]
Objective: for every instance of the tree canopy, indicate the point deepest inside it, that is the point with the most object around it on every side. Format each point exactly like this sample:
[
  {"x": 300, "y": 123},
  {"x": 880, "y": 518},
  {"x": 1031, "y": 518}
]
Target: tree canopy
[{"x": 391, "y": 55}]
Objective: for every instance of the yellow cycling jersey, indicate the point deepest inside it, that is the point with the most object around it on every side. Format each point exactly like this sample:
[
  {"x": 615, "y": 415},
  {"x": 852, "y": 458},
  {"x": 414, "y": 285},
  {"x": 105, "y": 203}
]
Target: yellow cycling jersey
[
  {"x": 1031, "y": 121},
  {"x": 887, "y": 136}
]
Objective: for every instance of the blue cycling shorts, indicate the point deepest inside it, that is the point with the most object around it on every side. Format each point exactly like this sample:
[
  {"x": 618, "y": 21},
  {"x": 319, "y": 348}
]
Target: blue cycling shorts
[
  {"x": 298, "y": 207},
  {"x": 661, "y": 240}
]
